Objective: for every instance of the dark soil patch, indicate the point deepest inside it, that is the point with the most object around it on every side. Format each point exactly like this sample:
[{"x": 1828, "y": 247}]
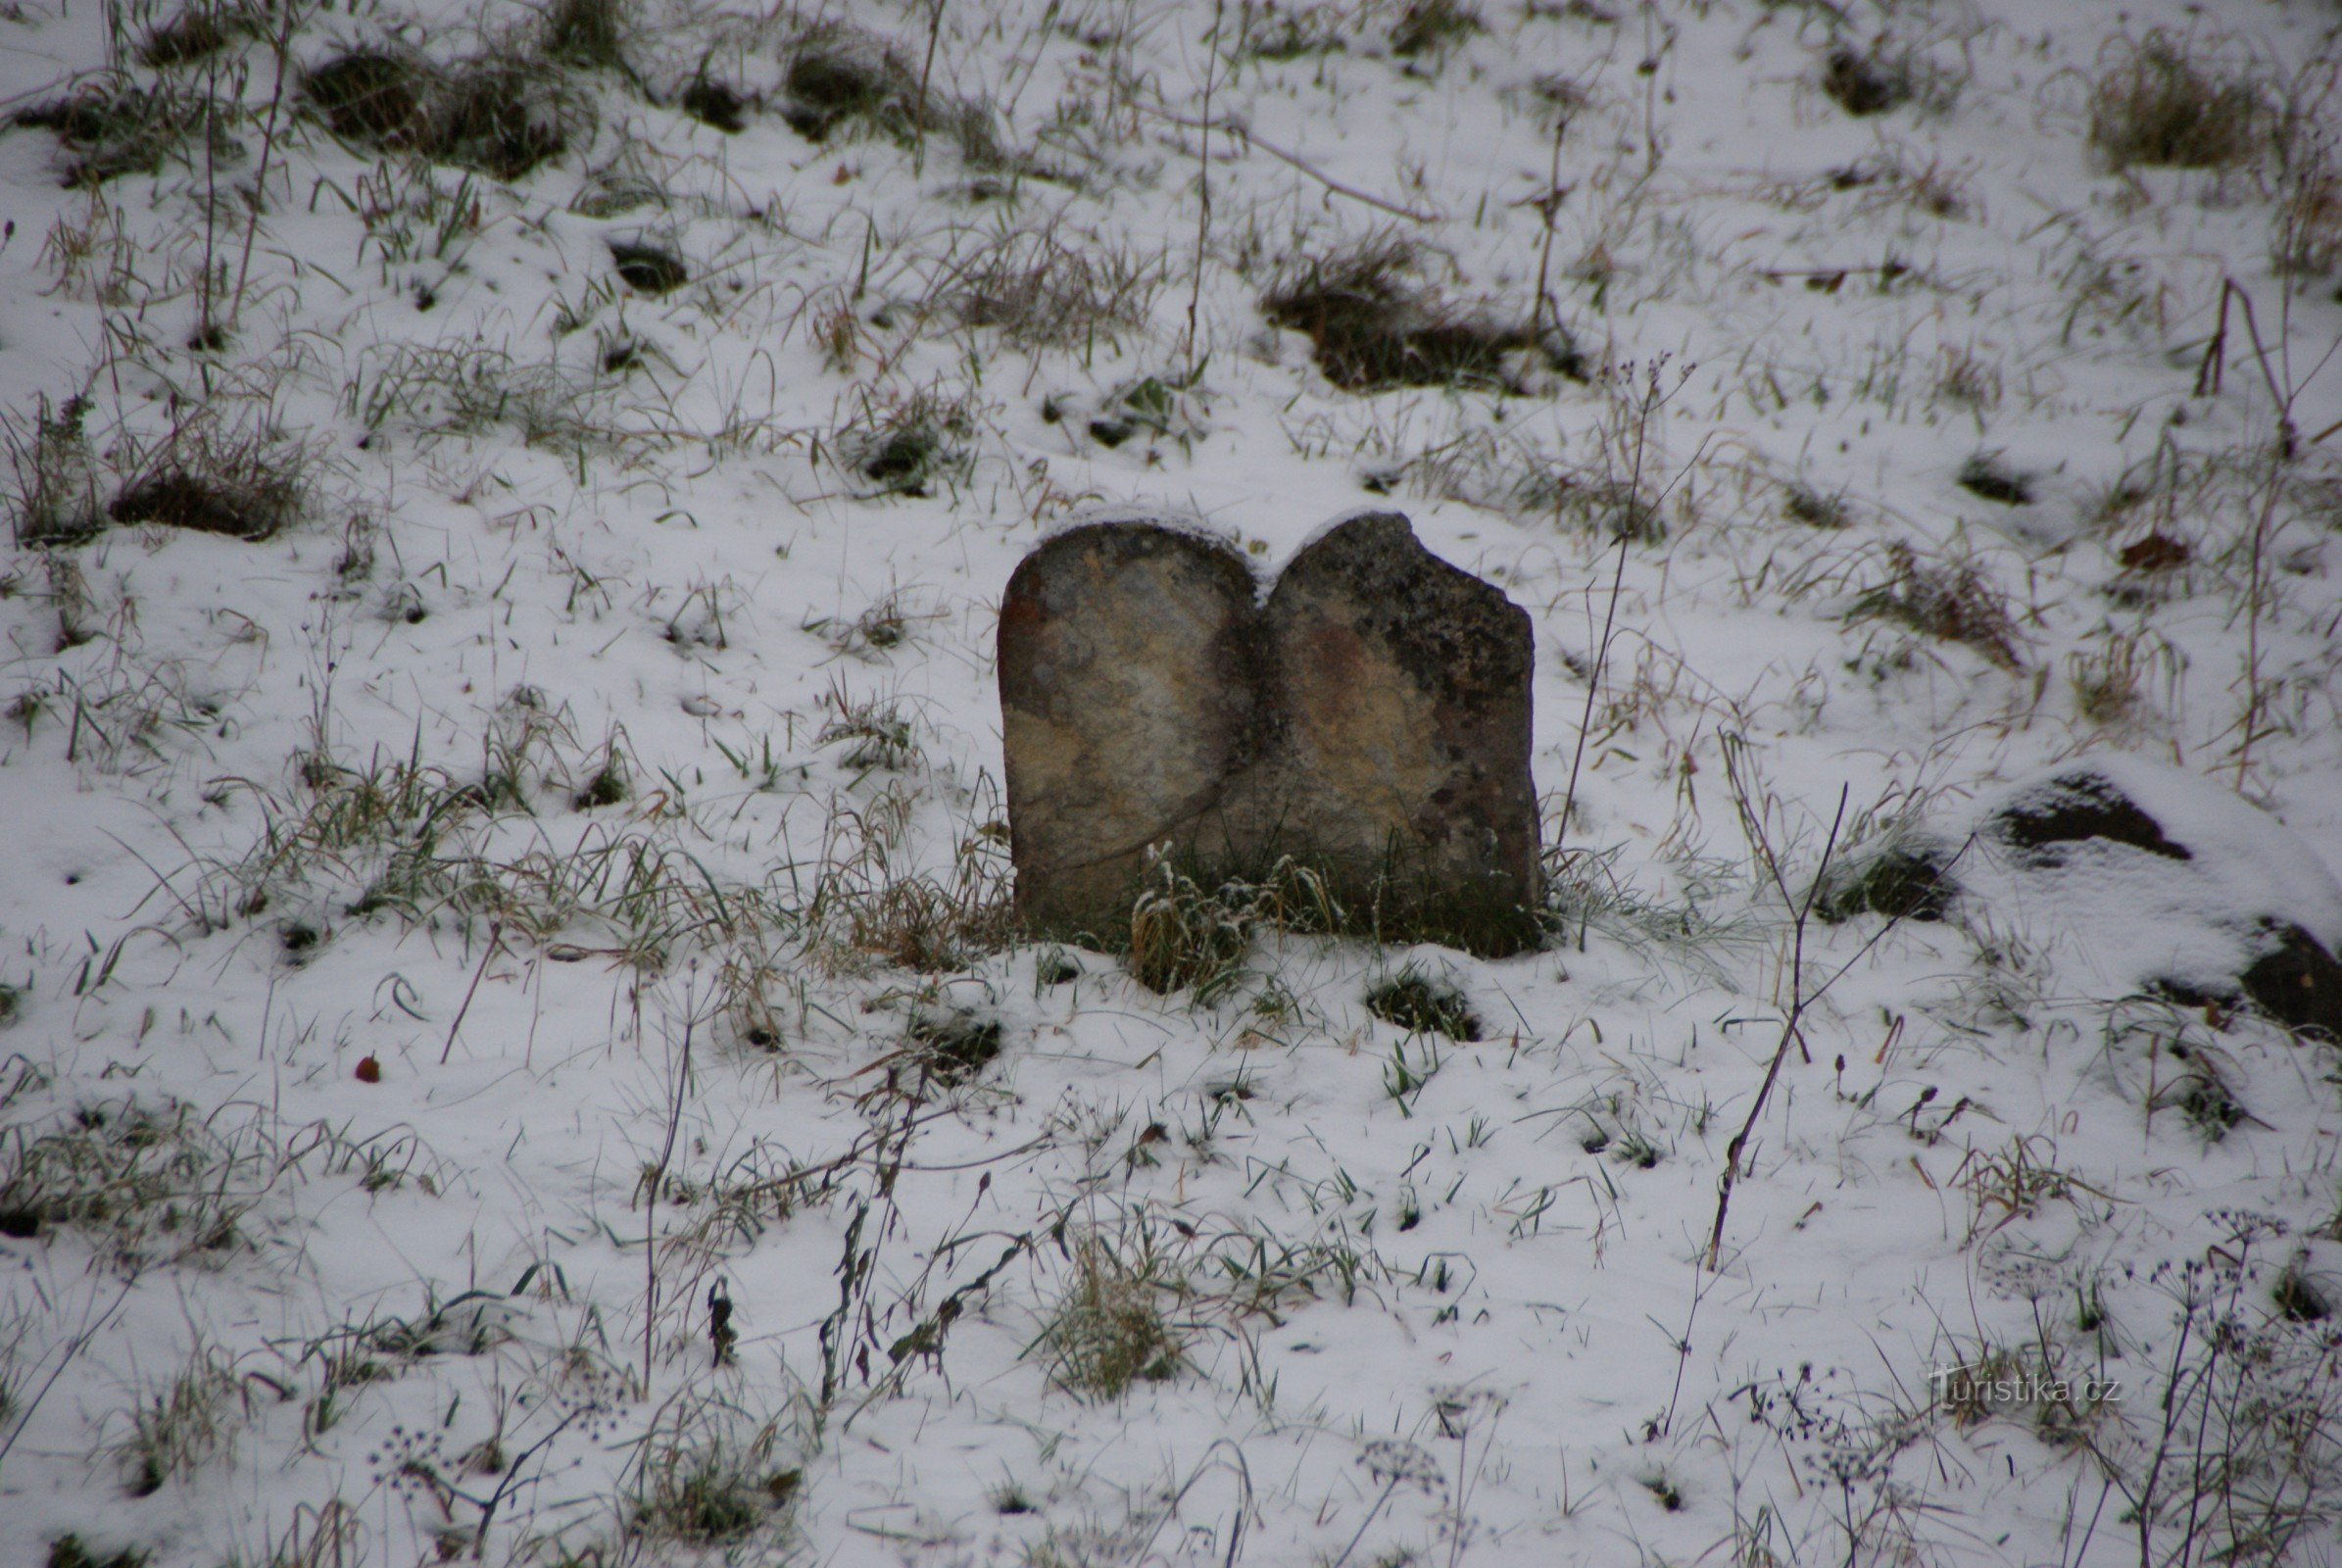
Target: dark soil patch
[
  {"x": 2300, "y": 1300},
  {"x": 1986, "y": 477},
  {"x": 1806, "y": 505},
  {"x": 2156, "y": 553},
  {"x": 833, "y": 82},
  {"x": 607, "y": 788},
  {"x": 1910, "y": 882},
  {"x": 1865, "y": 84},
  {"x": 2074, "y": 807},
  {"x": 112, "y": 130},
  {"x": 715, "y": 103},
  {"x": 1419, "y": 1004},
  {"x": 501, "y": 119},
  {"x": 648, "y": 269},
  {"x": 2298, "y": 982},
  {"x": 952, "y": 1051},
  {"x": 1374, "y": 328},
  {"x": 369, "y": 96},
  {"x": 180, "y": 499},
  {"x": 1429, "y": 25}
]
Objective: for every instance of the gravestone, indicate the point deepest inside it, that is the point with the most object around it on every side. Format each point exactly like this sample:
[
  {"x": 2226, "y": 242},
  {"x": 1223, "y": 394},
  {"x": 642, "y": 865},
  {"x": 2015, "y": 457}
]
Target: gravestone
[{"x": 1370, "y": 719}]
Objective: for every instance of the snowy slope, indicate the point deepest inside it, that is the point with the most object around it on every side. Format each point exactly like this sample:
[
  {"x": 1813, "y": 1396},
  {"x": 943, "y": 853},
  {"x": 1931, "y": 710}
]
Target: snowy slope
[{"x": 557, "y": 874}]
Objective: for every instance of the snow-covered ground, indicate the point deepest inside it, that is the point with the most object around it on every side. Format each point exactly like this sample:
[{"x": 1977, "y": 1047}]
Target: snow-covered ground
[{"x": 512, "y": 1047}]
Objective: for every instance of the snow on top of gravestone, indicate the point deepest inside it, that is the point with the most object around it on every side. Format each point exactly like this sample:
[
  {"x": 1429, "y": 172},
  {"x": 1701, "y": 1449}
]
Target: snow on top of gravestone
[
  {"x": 1186, "y": 525},
  {"x": 1310, "y": 539},
  {"x": 2192, "y": 910}
]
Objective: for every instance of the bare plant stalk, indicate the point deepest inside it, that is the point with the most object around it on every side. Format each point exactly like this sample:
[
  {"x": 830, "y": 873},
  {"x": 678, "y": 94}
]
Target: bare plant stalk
[
  {"x": 1798, "y": 1000},
  {"x": 1244, "y": 132},
  {"x": 280, "y": 48},
  {"x": 2256, "y": 695},
  {"x": 935, "y": 32},
  {"x": 1547, "y": 204},
  {"x": 1649, "y": 403},
  {"x": 496, "y": 935},
  {"x": 1212, "y": 61},
  {"x": 656, "y": 1178}
]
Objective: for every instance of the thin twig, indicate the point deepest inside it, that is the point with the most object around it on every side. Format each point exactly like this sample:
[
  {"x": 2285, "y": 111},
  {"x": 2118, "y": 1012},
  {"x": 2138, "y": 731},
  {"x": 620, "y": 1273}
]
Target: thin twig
[
  {"x": 1789, "y": 1024},
  {"x": 1799, "y": 1001},
  {"x": 1211, "y": 60},
  {"x": 1244, "y": 132},
  {"x": 495, "y": 933},
  {"x": 657, "y": 1180}
]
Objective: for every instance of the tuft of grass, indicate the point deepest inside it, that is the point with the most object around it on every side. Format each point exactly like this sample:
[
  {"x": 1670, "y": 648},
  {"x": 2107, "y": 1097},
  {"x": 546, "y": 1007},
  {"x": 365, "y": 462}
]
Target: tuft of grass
[
  {"x": 1039, "y": 291},
  {"x": 907, "y": 445},
  {"x": 1183, "y": 936},
  {"x": 608, "y": 787},
  {"x": 1422, "y": 1003},
  {"x": 714, "y": 103},
  {"x": 709, "y": 1476},
  {"x": 2106, "y": 678},
  {"x": 1433, "y": 28},
  {"x": 504, "y": 116},
  {"x": 1952, "y": 601},
  {"x": 236, "y": 507},
  {"x": 211, "y": 475},
  {"x": 56, "y": 490},
  {"x": 148, "y": 1181},
  {"x": 1376, "y": 324},
  {"x": 2153, "y": 103},
  {"x": 2204, "y": 1100},
  {"x": 176, "y": 1431},
  {"x": 1109, "y": 1330},
  {"x": 1903, "y": 877},
  {"x": 1275, "y": 32},
  {"x": 2299, "y": 1299},
  {"x": 2306, "y": 233},
  {"x": 1802, "y": 503},
  {"x": 197, "y": 34}
]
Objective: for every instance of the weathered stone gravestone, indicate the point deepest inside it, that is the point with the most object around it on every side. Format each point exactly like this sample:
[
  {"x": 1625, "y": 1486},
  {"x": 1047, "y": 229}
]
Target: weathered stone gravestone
[{"x": 1370, "y": 719}]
